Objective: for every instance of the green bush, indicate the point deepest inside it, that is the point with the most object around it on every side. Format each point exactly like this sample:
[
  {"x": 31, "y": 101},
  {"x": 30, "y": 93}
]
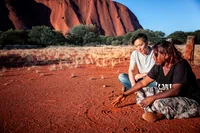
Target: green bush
[
  {"x": 43, "y": 35},
  {"x": 153, "y": 36},
  {"x": 109, "y": 39},
  {"x": 116, "y": 42},
  {"x": 197, "y": 36},
  {"x": 178, "y": 37},
  {"x": 83, "y": 34},
  {"x": 13, "y": 37},
  {"x": 127, "y": 37},
  {"x": 102, "y": 39}
]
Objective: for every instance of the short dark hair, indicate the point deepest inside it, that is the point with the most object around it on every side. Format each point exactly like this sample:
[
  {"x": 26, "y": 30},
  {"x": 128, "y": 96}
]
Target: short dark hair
[{"x": 138, "y": 36}]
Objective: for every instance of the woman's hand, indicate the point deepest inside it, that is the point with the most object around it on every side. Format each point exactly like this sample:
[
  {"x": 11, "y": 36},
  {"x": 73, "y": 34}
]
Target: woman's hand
[
  {"x": 147, "y": 101},
  {"x": 118, "y": 100}
]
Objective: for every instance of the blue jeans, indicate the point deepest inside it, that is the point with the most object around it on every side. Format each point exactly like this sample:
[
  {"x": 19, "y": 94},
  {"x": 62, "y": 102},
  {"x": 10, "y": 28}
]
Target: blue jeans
[{"x": 124, "y": 79}]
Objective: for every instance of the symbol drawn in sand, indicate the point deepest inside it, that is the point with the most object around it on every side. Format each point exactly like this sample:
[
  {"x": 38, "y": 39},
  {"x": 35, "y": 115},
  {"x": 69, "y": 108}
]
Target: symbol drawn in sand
[
  {"x": 140, "y": 130},
  {"x": 112, "y": 96},
  {"x": 99, "y": 114},
  {"x": 86, "y": 112},
  {"x": 106, "y": 112},
  {"x": 107, "y": 104},
  {"x": 123, "y": 112},
  {"x": 127, "y": 130}
]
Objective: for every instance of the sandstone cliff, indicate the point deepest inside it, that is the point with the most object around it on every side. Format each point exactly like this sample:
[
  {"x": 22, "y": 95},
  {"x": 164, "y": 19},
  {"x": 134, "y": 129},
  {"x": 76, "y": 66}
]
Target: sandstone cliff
[{"x": 111, "y": 17}]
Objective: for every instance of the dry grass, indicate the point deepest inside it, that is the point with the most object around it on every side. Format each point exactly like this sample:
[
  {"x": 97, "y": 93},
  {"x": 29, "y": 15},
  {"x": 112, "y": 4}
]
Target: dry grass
[{"x": 73, "y": 57}]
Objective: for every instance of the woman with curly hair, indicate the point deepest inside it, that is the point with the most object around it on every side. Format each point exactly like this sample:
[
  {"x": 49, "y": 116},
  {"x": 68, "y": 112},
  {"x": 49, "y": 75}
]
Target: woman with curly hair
[{"x": 176, "y": 95}]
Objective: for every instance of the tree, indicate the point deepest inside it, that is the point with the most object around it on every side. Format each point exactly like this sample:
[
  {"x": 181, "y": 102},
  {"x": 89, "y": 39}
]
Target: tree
[
  {"x": 12, "y": 37},
  {"x": 89, "y": 37},
  {"x": 77, "y": 33},
  {"x": 59, "y": 38},
  {"x": 109, "y": 39},
  {"x": 44, "y": 35},
  {"x": 178, "y": 37},
  {"x": 153, "y": 36},
  {"x": 127, "y": 38},
  {"x": 83, "y": 34},
  {"x": 197, "y": 35},
  {"x": 102, "y": 39},
  {"x": 159, "y": 34},
  {"x": 116, "y": 42}
]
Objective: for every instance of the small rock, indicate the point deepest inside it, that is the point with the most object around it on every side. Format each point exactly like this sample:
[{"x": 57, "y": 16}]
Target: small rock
[
  {"x": 73, "y": 76},
  {"x": 92, "y": 78},
  {"x": 104, "y": 86}
]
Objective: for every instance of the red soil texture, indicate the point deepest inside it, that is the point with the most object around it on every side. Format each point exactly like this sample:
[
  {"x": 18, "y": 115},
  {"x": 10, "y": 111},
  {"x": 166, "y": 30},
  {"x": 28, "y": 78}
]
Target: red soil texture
[{"x": 76, "y": 100}]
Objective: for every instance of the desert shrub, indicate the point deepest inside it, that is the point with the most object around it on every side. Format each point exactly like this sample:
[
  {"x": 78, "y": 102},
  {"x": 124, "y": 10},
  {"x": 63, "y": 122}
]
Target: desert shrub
[
  {"x": 59, "y": 38},
  {"x": 90, "y": 37},
  {"x": 197, "y": 36},
  {"x": 178, "y": 37},
  {"x": 102, "y": 39},
  {"x": 153, "y": 36},
  {"x": 13, "y": 37},
  {"x": 76, "y": 34},
  {"x": 116, "y": 42},
  {"x": 109, "y": 39},
  {"x": 127, "y": 37},
  {"x": 83, "y": 34},
  {"x": 119, "y": 38},
  {"x": 43, "y": 35}
]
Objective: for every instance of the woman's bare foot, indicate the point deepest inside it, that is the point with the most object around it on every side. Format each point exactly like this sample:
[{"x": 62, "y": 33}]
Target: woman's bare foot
[{"x": 152, "y": 117}]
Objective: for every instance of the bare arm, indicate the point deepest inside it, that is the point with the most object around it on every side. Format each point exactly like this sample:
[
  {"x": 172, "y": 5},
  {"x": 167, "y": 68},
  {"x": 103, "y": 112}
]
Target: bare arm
[
  {"x": 144, "y": 82},
  {"x": 132, "y": 71},
  {"x": 135, "y": 88},
  {"x": 174, "y": 91},
  {"x": 134, "y": 74}
]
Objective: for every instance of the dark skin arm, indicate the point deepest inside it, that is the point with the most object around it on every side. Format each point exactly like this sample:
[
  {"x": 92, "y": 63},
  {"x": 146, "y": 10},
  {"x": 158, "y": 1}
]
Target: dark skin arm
[
  {"x": 174, "y": 91},
  {"x": 134, "y": 89}
]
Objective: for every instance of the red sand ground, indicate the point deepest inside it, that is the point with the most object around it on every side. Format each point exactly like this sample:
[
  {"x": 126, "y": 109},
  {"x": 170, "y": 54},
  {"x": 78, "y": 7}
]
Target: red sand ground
[{"x": 53, "y": 101}]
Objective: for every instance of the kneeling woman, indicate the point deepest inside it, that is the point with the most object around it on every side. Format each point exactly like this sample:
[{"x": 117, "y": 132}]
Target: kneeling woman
[{"x": 177, "y": 94}]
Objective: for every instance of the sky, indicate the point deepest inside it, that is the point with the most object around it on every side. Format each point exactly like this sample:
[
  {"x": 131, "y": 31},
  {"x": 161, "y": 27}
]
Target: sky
[{"x": 167, "y": 16}]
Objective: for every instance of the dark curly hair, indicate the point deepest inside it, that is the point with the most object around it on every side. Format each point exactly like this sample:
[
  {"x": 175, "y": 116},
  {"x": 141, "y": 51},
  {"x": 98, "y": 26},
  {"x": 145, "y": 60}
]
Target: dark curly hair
[{"x": 166, "y": 47}]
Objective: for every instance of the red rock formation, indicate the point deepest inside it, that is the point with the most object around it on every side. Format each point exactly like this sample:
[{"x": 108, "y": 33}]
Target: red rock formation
[{"x": 111, "y": 17}]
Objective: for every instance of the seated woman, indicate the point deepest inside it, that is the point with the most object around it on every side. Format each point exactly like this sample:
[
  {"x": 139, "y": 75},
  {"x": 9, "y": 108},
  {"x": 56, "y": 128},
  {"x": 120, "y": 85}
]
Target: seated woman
[{"x": 177, "y": 94}]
